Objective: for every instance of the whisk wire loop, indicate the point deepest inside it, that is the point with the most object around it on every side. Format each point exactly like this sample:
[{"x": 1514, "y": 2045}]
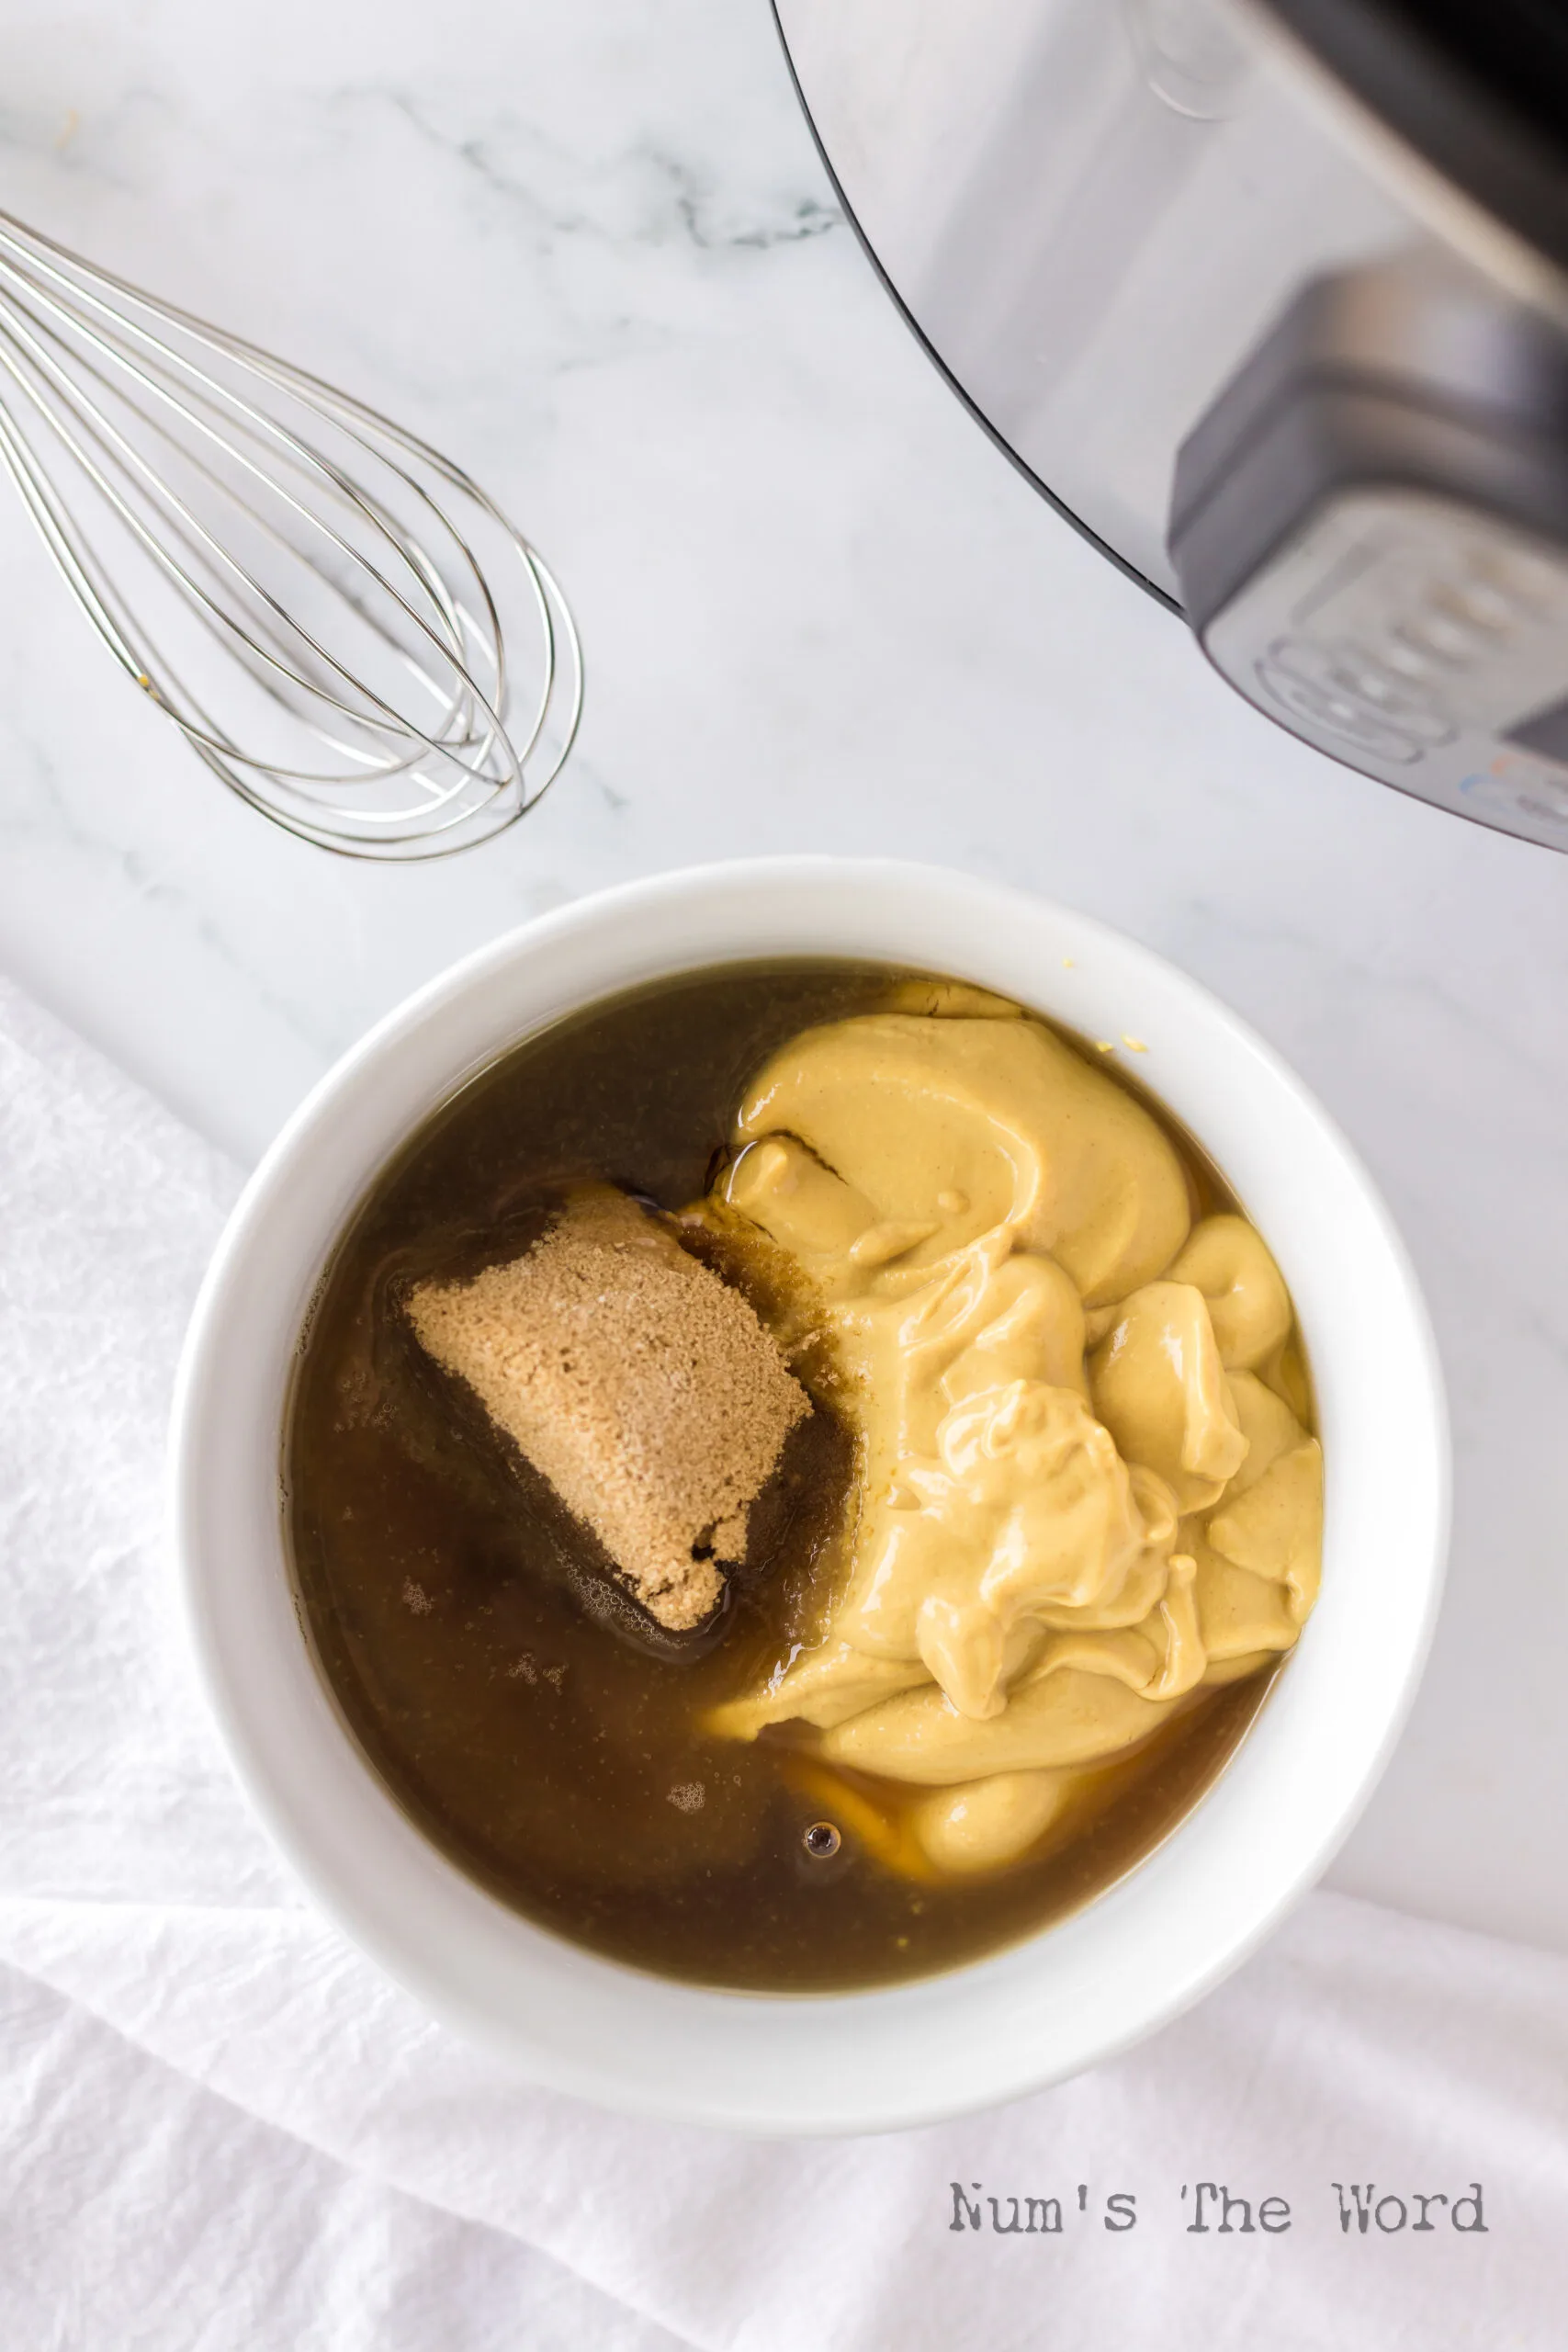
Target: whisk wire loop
[{"x": 344, "y": 636}]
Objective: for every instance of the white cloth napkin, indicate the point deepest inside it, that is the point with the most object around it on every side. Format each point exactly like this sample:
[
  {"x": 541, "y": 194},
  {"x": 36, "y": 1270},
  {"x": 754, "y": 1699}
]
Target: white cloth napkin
[{"x": 221, "y": 2128}]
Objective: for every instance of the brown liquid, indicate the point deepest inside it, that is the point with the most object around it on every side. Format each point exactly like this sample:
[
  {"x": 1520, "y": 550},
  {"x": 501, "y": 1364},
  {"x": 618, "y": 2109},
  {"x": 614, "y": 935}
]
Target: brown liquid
[{"x": 535, "y": 1726}]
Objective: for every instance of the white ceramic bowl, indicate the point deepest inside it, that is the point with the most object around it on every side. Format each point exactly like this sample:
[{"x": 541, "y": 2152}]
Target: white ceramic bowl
[{"x": 1080, "y": 1990}]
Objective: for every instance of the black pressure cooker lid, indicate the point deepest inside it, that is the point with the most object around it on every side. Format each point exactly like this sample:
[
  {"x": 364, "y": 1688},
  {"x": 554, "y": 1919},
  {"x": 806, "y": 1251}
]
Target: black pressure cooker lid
[{"x": 1478, "y": 88}]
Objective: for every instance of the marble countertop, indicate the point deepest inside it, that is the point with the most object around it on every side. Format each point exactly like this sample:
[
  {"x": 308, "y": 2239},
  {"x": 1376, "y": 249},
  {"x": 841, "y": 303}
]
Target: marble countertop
[{"x": 591, "y": 251}]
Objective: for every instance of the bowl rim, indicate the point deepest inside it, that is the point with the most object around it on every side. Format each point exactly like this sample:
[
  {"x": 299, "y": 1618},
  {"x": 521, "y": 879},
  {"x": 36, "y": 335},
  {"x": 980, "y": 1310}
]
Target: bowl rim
[{"x": 737, "y": 2086}]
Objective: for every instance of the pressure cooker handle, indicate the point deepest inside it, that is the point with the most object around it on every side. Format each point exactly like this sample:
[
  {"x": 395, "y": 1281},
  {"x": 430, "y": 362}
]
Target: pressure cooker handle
[{"x": 1370, "y": 527}]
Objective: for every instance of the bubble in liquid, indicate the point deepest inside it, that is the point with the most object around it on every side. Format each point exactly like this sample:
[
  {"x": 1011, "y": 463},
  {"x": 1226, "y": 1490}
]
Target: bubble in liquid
[{"x": 822, "y": 1840}]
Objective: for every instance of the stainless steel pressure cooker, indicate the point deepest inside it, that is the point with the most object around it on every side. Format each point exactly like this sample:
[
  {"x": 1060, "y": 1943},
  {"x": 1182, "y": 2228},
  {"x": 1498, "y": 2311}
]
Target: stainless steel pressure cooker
[{"x": 1271, "y": 297}]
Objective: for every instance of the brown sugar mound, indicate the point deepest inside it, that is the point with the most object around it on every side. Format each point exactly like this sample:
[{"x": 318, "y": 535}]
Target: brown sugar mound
[{"x": 644, "y": 1388}]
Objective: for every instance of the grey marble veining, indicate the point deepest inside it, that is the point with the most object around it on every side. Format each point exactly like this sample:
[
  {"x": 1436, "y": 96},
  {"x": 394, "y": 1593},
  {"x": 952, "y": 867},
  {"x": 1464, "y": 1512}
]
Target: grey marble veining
[{"x": 591, "y": 252}]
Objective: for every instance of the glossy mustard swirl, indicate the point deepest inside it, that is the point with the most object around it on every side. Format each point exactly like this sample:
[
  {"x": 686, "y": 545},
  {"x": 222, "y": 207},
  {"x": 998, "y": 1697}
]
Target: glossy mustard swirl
[{"x": 1083, "y": 1491}]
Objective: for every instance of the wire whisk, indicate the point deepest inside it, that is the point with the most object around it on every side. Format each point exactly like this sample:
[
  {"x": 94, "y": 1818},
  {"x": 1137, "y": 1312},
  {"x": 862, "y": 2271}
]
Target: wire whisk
[{"x": 351, "y": 633}]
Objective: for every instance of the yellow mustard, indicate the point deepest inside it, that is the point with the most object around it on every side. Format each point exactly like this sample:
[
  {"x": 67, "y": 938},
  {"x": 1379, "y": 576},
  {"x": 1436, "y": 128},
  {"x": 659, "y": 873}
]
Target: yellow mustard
[{"x": 1082, "y": 1492}]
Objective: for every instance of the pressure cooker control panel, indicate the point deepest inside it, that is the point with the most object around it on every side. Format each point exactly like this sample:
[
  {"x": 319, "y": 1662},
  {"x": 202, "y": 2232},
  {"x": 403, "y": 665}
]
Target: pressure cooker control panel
[
  {"x": 1369, "y": 526},
  {"x": 1422, "y": 641}
]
